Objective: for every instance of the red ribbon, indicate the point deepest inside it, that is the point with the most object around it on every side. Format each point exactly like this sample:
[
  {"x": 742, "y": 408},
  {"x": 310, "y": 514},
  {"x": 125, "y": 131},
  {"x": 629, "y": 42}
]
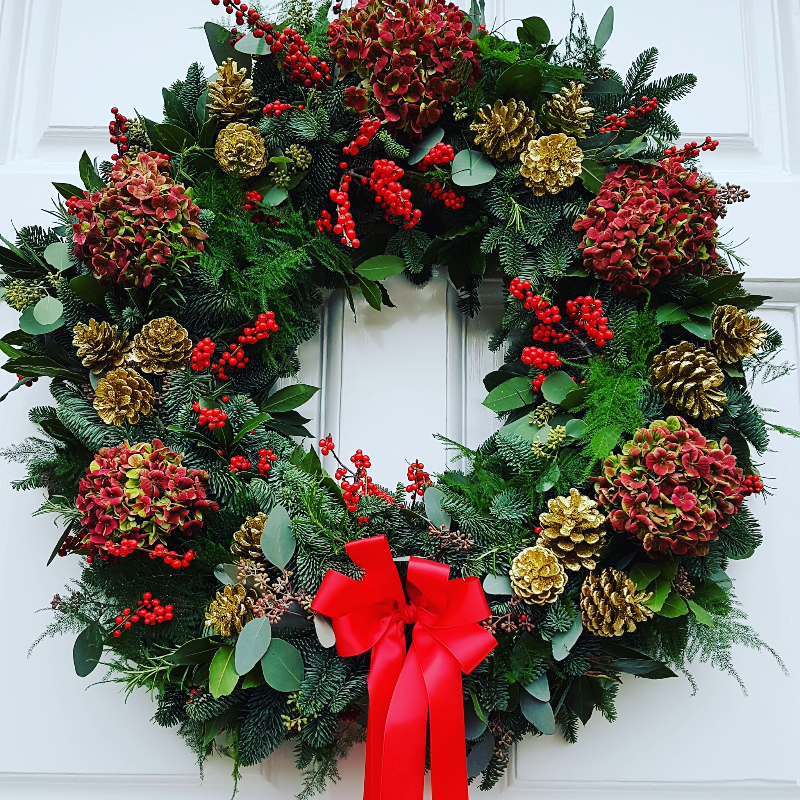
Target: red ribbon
[{"x": 405, "y": 686}]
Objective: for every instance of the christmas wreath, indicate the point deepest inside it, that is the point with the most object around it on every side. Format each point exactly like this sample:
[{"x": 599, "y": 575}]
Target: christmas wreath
[{"x": 262, "y": 599}]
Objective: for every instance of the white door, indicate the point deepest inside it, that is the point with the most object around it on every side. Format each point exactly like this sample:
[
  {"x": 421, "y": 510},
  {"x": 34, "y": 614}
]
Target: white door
[{"x": 391, "y": 381}]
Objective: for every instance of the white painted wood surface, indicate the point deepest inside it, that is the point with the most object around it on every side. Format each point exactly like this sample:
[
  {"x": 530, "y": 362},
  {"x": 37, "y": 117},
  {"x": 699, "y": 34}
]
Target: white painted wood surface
[{"x": 411, "y": 372}]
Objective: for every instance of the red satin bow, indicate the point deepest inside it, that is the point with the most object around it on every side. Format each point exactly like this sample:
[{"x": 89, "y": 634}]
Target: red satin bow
[{"x": 404, "y": 686}]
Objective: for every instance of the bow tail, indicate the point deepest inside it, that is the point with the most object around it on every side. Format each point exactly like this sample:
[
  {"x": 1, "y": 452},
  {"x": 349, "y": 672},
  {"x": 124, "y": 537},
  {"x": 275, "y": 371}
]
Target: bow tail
[
  {"x": 442, "y": 675},
  {"x": 403, "y": 763},
  {"x": 386, "y": 663}
]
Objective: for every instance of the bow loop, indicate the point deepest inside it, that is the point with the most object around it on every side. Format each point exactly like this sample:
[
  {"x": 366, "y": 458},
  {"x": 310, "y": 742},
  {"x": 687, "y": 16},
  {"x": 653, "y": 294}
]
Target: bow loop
[{"x": 408, "y": 688}]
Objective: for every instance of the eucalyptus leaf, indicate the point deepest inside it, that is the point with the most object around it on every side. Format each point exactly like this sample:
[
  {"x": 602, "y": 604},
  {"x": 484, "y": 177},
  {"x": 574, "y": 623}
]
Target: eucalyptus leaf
[
  {"x": 557, "y": 386},
  {"x": 251, "y": 46},
  {"x": 538, "y": 713},
  {"x": 524, "y": 428},
  {"x": 57, "y": 256},
  {"x": 474, "y": 726},
  {"x": 29, "y": 324},
  {"x": 253, "y": 642},
  {"x": 604, "y": 29},
  {"x": 497, "y": 585},
  {"x": 433, "y": 508},
  {"x": 481, "y": 754},
  {"x": 562, "y": 643},
  {"x": 275, "y": 196},
  {"x": 48, "y": 310},
  {"x": 430, "y": 139},
  {"x": 472, "y": 168},
  {"x": 282, "y": 665},
  {"x": 277, "y": 539},
  {"x": 226, "y": 573},
  {"x": 575, "y": 428},
  {"x": 325, "y": 632},
  {"x": 540, "y": 688},
  {"x": 222, "y": 675}
]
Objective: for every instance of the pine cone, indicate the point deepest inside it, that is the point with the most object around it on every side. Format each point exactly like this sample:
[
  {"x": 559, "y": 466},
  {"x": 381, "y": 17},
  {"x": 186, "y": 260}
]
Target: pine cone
[
  {"x": 162, "y": 346},
  {"x": 687, "y": 377},
  {"x": 735, "y": 334},
  {"x": 138, "y": 140},
  {"x": 537, "y": 575},
  {"x": 567, "y": 112},
  {"x": 122, "y": 395},
  {"x": 100, "y": 346},
  {"x": 573, "y": 529},
  {"x": 240, "y": 150},
  {"x": 610, "y": 604},
  {"x": 230, "y": 96},
  {"x": 551, "y": 164},
  {"x": 231, "y": 610},
  {"x": 247, "y": 540},
  {"x": 505, "y": 130}
]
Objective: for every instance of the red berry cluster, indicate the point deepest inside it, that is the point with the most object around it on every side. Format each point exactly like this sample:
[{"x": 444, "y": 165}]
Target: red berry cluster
[
  {"x": 691, "y": 150},
  {"x": 345, "y": 225},
  {"x": 547, "y": 334},
  {"x": 241, "y": 9},
  {"x": 118, "y": 129},
  {"x": 124, "y": 548},
  {"x": 251, "y": 199},
  {"x": 265, "y": 459},
  {"x": 587, "y": 314},
  {"x": 390, "y": 195},
  {"x": 213, "y": 417},
  {"x": 239, "y": 463},
  {"x": 418, "y": 478},
  {"x": 369, "y": 127},
  {"x": 264, "y": 325},
  {"x": 615, "y": 123},
  {"x": 326, "y": 445},
  {"x": 277, "y": 107},
  {"x": 233, "y": 358},
  {"x": 202, "y": 353},
  {"x": 148, "y": 610},
  {"x": 305, "y": 69},
  {"x": 449, "y": 197},
  {"x": 439, "y": 154},
  {"x": 537, "y": 382},
  {"x": 539, "y": 358},
  {"x": 363, "y": 520},
  {"x": 27, "y": 382},
  {"x": 171, "y": 558},
  {"x": 752, "y": 485}
]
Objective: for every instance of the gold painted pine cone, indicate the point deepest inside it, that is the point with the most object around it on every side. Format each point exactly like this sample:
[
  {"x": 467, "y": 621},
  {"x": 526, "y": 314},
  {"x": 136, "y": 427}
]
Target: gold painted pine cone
[
  {"x": 567, "y": 112},
  {"x": 551, "y": 164},
  {"x": 572, "y": 528},
  {"x": 123, "y": 395},
  {"x": 231, "y": 610},
  {"x": 687, "y": 377},
  {"x": 735, "y": 334},
  {"x": 610, "y": 604},
  {"x": 100, "y": 345},
  {"x": 537, "y": 576},
  {"x": 230, "y": 96},
  {"x": 240, "y": 150},
  {"x": 162, "y": 346},
  {"x": 247, "y": 540},
  {"x": 504, "y": 130}
]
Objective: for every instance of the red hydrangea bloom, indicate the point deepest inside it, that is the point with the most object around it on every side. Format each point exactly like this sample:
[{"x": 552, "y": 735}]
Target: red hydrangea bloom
[
  {"x": 140, "y": 224},
  {"x": 650, "y": 222},
  {"x": 671, "y": 488},
  {"x": 412, "y": 58},
  {"x": 141, "y": 492}
]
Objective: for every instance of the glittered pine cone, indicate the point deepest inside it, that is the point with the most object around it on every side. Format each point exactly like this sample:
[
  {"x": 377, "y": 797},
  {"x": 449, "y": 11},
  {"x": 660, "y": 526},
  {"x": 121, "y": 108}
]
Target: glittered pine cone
[
  {"x": 504, "y": 130},
  {"x": 230, "y": 96},
  {"x": 572, "y": 528},
  {"x": 240, "y": 150},
  {"x": 122, "y": 395},
  {"x": 735, "y": 334},
  {"x": 567, "y": 112},
  {"x": 231, "y": 610},
  {"x": 100, "y": 345},
  {"x": 138, "y": 140},
  {"x": 551, "y": 163},
  {"x": 247, "y": 540},
  {"x": 687, "y": 377},
  {"x": 162, "y": 346},
  {"x": 610, "y": 604},
  {"x": 537, "y": 576}
]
